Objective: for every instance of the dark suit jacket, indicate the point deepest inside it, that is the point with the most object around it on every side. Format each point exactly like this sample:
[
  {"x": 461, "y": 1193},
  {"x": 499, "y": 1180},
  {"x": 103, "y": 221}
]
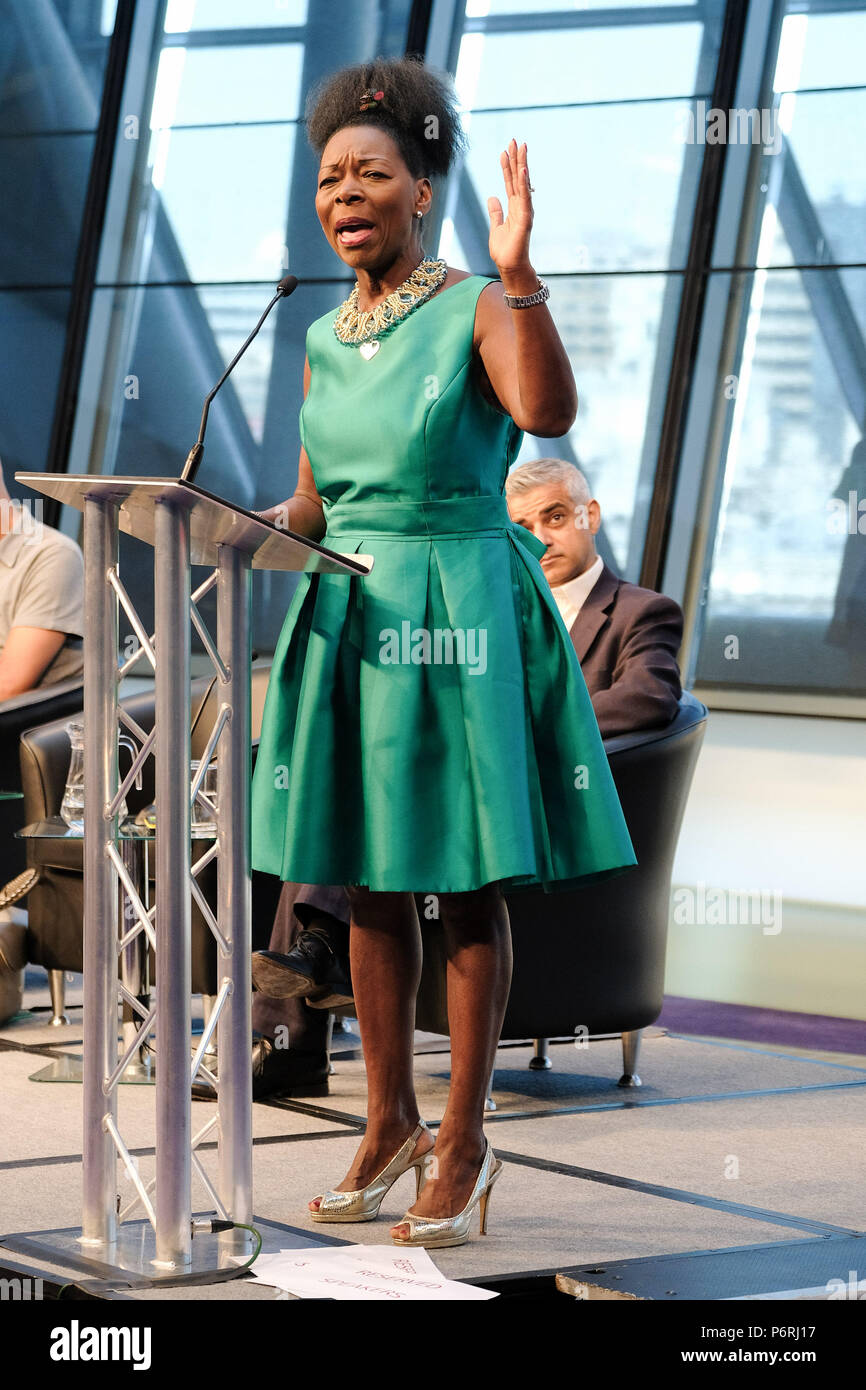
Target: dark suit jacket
[{"x": 627, "y": 639}]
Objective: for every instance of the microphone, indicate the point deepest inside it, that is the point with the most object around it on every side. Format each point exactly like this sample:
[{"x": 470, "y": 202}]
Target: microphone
[{"x": 287, "y": 286}]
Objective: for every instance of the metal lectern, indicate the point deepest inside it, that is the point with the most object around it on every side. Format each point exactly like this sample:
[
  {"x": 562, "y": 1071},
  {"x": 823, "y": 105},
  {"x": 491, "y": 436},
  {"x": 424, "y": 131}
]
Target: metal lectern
[{"x": 186, "y": 526}]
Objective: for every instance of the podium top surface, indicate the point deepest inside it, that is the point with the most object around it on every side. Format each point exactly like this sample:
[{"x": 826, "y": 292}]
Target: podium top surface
[{"x": 212, "y": 521}]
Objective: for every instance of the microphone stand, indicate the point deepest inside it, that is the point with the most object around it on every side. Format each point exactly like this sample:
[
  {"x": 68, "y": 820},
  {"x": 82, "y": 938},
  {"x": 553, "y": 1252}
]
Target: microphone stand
[{"x": 287, "y": 286}]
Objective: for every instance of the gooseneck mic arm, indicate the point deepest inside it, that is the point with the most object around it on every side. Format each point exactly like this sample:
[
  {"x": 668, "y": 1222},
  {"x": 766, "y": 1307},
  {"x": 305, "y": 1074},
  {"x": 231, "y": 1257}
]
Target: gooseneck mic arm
[{"x": 287, "y": 285}]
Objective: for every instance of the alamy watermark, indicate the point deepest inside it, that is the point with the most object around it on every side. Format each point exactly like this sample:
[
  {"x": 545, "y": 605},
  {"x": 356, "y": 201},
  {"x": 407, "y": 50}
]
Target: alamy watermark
[
  {"x": 77, "y": 1343},
  {"x": 726, "y": 907},
  {"x": 847, "y": 516},
  {"x": 441, "y": 646},
  {"x": 19, "y": 518},
  {"x": 19, "y": 1290},
  {"x": 712, "y": 125},
  {"x": 854, "y": 1289}
]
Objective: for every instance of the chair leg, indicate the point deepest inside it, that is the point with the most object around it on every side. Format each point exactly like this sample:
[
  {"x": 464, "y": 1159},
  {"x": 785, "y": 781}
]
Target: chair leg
[
  {"x": 489, "y": 1102},
  {"x": 57, "y": 991},
  {"x": 630, "y": 1050},
  {"x": 541, "y": 1061}
]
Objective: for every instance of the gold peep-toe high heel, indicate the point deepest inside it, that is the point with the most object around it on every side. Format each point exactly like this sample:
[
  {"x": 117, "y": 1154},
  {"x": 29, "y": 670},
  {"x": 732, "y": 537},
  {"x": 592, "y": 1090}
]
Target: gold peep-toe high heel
[
  {"x": 454, "y": 1230},
  {"x": 363, "y": 1204}
]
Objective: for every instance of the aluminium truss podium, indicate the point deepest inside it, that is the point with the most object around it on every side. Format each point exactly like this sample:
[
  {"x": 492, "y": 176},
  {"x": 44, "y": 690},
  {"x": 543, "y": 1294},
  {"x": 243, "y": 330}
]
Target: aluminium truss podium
[{"x": 186, "y": 526}]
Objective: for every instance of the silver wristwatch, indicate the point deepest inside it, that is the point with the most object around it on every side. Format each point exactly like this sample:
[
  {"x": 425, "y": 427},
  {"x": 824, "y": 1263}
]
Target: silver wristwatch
[{"x": 525, "y": 301}]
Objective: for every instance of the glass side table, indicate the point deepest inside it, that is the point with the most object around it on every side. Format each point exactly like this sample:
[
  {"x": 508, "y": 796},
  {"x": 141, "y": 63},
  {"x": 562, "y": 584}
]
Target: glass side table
[{"x": 134, "y": 840}]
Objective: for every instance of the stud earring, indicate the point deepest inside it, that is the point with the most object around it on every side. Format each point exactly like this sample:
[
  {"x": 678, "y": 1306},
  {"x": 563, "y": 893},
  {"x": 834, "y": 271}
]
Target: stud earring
[{"x": 419, "y": 214}]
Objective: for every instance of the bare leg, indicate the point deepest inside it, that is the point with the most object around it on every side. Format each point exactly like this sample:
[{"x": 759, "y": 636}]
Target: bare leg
[
  {"x": 385, "y": 961},
  {"x": 478, "y": 946}
]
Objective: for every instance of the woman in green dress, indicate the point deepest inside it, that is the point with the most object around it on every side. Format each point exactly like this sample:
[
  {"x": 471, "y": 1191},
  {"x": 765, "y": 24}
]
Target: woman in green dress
[{"x": 427, "y": 727}]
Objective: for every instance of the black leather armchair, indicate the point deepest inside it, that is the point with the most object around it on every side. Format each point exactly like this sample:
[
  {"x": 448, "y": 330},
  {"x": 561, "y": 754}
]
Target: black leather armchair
[
  {"x": 56, "y": 902},
  {"x": 593, "y": 958}
]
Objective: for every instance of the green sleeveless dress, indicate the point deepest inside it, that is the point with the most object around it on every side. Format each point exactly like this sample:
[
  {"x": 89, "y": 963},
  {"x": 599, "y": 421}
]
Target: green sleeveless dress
[{"x": 426, "y": 727}]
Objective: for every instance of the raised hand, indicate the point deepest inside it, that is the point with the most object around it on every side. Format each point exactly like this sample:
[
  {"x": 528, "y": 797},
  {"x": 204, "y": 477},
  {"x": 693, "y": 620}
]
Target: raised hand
[{"x": 509, "y": 234}]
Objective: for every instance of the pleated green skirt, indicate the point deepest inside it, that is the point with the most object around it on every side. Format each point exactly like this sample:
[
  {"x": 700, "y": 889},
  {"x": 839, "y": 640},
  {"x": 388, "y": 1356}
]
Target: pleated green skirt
[{"x": 427, "y": 727}]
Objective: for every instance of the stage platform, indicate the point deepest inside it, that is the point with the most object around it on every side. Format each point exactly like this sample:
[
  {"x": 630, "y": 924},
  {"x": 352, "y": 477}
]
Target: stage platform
[{"x": 734, "y": 1172}]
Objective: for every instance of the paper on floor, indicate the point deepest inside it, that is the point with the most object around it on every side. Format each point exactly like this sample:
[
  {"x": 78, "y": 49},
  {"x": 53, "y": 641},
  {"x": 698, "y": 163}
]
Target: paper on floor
[{"x": 383, "y": 1273}]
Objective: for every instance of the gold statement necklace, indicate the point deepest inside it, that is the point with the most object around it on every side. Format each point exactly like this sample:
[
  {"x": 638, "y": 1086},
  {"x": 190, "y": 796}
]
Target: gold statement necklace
[{"x": 363, "y": 330}]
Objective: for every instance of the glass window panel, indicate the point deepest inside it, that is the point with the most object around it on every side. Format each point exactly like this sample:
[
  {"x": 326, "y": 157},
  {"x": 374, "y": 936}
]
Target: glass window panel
[
  {"x": 53, "y": 62},
  {"x": 178, "y": 343},
  {"x": 605, "y": 64},
  {"x": 825, "y": 50},
  {"x": 231, "y": 313},
  {"x": 825, "y": 139},
  {"x": 611, "y": 327},
  {"x": 482, "y": 8},
  {"x": 32, "y": 335},
  {"x": 224, "y": 194},
  {"x": 606, "y": 188},
  {"x": 216, "y": 86},
  {"x": 788, "y": 577},
  {"x": 40, "y": 225},
  {"x": 184, "y": 15}
]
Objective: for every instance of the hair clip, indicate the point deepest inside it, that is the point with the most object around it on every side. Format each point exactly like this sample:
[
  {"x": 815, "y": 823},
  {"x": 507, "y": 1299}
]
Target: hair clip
[{"x": 371, "y": 99}]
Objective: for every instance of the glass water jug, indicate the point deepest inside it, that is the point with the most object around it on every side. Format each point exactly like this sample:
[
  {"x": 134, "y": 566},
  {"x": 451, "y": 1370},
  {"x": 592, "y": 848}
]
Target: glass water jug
[{"x": 72, "y": 805}]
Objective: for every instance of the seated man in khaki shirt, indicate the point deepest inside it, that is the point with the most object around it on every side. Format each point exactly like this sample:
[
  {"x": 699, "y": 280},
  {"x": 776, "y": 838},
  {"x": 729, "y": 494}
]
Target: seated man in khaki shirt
[{"x": 41, "y": 602}]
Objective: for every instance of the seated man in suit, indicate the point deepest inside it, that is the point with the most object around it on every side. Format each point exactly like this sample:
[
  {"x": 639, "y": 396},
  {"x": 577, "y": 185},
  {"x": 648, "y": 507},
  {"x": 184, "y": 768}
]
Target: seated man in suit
[{"x": 626, "y": 639}]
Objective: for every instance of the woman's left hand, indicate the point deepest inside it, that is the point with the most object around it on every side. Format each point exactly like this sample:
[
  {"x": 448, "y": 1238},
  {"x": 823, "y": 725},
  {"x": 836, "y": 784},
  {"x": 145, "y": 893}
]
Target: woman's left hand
[{"x": 509, "y": 235}]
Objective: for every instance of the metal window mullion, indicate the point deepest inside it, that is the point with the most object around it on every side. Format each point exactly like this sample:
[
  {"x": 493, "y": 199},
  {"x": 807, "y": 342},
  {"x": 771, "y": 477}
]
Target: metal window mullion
[
  {"x": 111, "y": 336},
  {"x": 682, "y": 227},
  {"x": 707, "y": 425},
  {"x": 92, "y": 222},
  {"x": 692, "y": 304},
  {"x": 551, "y": 21}
]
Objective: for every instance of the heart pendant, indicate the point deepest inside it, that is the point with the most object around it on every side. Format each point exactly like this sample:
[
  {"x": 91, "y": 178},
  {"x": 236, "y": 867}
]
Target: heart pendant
[{"x": 370, "y": 349}]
